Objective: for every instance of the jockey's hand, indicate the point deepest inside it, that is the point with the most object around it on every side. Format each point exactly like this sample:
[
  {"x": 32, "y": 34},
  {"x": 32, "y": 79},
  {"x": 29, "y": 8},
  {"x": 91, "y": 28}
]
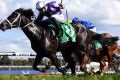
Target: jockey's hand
[
  {"x": 61, "y": 6},
  {"x": 42, "y": 10}
]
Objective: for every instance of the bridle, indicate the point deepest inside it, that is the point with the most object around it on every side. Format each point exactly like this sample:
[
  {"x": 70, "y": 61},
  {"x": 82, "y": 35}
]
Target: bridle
[{"x": 19, "y": 18}]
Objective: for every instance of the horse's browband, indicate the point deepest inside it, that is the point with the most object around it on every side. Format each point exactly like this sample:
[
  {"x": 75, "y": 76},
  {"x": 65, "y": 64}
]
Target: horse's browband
[{"x": 11, "y": 24}]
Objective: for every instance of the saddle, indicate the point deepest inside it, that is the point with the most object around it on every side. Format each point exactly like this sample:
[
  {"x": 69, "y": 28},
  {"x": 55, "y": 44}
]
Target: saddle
[{"x": 66, "y": 31}]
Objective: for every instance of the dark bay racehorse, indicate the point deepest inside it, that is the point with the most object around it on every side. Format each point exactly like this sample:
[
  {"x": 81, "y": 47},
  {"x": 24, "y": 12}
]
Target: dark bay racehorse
[
  {"x": 85, "y": 40},
  {"x": 110, "y": 49},
  {"x": 41, "y": 37},
  {"x": 107, "y": 51},
  {"x": 44, "y": 44}
]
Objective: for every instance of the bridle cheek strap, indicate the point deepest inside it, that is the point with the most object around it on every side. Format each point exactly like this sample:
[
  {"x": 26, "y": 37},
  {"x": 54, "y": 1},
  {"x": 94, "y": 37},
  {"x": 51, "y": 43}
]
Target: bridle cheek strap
[{"x": 11, "y": 24}]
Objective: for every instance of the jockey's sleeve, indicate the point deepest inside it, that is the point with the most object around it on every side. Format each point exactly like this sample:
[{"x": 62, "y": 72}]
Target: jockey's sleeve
[
  {"x": 40, "y": 17},
  {"x": 52, "y": 5},
  {"x": 55, "y": 5}
]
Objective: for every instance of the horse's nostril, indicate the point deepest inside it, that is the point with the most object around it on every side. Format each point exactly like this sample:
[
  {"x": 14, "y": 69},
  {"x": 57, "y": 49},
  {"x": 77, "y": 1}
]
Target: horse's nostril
[{"x": 2, "y": 27}]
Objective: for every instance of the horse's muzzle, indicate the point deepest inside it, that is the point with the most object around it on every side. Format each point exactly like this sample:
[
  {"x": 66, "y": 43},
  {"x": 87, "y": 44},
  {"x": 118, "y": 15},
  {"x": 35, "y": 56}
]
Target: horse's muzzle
[{"x": 2, "y": 27}]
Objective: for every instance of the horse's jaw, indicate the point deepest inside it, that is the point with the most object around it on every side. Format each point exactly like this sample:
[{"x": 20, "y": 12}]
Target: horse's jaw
[{"x": 3, "y": 29}]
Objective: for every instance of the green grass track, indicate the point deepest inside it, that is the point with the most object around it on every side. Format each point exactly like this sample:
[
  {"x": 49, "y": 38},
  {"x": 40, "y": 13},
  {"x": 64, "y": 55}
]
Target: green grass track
[{"x": 60, "y": 77}]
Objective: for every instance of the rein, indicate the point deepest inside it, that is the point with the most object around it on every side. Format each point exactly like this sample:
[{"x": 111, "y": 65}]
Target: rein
[{"x": 19, "y": 17}]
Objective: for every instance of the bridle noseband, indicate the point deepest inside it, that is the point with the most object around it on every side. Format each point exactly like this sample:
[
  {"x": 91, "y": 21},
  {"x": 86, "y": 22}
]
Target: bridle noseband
[{"x": 19, "y": 17}]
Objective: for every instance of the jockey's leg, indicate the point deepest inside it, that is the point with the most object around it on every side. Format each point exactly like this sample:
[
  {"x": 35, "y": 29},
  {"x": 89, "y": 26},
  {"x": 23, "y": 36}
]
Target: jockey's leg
[
  {"x": 57, "y": 19},
  {"x": 56, "y": 25}
]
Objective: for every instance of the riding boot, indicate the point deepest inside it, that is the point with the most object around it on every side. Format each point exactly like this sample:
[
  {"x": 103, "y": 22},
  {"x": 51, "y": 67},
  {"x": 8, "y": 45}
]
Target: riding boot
[
  {"x": 56, "y": 26},
  {"x": 93, "y": 49}
]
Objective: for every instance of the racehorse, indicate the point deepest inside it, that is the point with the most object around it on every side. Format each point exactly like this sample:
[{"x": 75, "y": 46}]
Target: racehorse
[
  {"x": 43, "y": 42},
  {"x": 85, "y": 39},
  {"x": 41, "y": 37},
  {"x": 115, "y": 50},
  {"x": 112, "y": 49},
  {"x": 107, "y": 50}
]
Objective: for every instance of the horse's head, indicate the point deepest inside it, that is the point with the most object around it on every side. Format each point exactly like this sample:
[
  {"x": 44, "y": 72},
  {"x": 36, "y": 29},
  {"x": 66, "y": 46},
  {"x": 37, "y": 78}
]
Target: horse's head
[{"x": 19, "y": 17}]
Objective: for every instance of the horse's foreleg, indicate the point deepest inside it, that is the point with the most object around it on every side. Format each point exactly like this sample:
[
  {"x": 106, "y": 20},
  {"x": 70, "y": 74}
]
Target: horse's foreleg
[
  {"x": 83, "y": 64},
  {"x": 103, "y": 66},
  {"x": 110, "y": 60},
  {"x": 83, "y": 58},
  {"x": 56, "y": 62},
  {"x": 66, "y": 68},
  {"x": 71, "y": 64},
  {"x": 38, "y": 58},
  {"x": 110, "y": 55},
  {"x": 111, "y": 49},
  {"x": 110, "y": 63},
  {"x": 70, "y": 58}
]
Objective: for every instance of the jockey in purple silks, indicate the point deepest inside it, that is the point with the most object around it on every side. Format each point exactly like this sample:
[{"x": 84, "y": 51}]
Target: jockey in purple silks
[{"x": 53, "y": 11}]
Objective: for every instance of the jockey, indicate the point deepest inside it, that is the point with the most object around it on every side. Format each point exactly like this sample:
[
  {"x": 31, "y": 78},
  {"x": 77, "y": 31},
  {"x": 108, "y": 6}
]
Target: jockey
[
  {"x": 87, "y": 24},
  {"x": 53, "y": 11}
]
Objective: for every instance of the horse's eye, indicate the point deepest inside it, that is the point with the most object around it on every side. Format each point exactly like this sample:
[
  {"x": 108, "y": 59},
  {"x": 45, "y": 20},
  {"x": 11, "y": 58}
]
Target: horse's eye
[{"x": 14, "y": 15}]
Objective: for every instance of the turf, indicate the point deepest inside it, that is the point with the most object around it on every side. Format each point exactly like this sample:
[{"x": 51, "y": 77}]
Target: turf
[{"x": 60, "y": 77}]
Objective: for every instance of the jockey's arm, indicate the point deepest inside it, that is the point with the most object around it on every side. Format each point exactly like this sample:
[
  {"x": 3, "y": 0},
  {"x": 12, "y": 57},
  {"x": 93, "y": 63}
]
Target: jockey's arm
[
  {"x": 40, "y": 17},
  {"x": 61, "y": 6},
  {"x": 58, "y": 6}
]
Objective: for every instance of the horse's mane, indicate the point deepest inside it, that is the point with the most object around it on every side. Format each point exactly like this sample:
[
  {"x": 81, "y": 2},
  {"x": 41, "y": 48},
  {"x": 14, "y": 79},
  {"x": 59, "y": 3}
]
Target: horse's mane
[
  {"x": 26, "y": 12},
  {"x": 29, "y": 13},
  {"x": 100, "y": 37}
]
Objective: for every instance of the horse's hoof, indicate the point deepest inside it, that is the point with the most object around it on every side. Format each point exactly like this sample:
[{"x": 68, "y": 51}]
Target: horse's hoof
[
  {"x": 47, "y": 67},
  {"x": 43, "y": 70},
  {"x": 65, "y": 74},
  {"x": 74, "y": 75},
  {"x": 98, "y": 72},
  {"x": 65, "y": 70},
  {"x": 35, "y": 68}
]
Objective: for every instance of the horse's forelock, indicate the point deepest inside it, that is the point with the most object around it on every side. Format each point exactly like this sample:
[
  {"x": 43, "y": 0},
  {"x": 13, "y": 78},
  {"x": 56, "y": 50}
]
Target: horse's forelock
[
  {"x": 19, "y": 10},
  {"x": 28, "y": 12}
]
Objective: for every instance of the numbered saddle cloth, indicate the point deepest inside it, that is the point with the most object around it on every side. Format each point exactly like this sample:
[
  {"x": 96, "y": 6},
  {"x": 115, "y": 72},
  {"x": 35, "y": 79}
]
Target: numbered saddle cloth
[{"x": 67, "y": 33}]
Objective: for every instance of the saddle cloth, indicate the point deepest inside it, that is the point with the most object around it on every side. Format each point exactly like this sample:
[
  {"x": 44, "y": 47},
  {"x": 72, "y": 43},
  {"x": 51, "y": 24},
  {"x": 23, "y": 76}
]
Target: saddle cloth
[{"x": 67, "y": 32}]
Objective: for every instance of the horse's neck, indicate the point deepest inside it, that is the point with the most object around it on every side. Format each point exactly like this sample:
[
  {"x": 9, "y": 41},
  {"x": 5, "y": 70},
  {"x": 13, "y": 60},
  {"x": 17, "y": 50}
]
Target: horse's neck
[
  {"x": 95, "y": 36},
  {"x": 90, "y": 36},
  {"x": 32, "y": 31}
]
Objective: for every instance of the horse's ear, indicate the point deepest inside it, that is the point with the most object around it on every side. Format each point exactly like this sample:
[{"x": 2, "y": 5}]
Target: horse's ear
[{"x": 19, "y": 10}]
